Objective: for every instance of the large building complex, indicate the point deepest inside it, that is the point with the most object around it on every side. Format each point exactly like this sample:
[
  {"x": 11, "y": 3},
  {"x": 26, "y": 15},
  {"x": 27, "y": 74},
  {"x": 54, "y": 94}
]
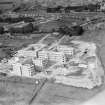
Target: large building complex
[{"x": 81, "y": 68}]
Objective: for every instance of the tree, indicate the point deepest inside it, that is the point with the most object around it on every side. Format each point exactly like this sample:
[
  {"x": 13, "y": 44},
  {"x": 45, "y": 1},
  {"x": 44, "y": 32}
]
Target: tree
[
  {"x": 1, "y": 30},
  {"x": 72, "y": 31}
]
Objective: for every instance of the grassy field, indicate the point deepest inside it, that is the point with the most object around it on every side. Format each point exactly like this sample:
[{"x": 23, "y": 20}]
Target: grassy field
[
  {"x": 18, "y": 91},
  {"x": 58, "y": 94}
]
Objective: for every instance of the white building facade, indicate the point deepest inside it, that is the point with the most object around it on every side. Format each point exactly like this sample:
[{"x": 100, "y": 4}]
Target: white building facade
[{"x": 66, "y": 49}]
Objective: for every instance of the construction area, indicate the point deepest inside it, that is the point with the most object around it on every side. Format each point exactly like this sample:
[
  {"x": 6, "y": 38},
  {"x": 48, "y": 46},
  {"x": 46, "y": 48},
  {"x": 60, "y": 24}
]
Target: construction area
[{"x": 52, "y": 55}]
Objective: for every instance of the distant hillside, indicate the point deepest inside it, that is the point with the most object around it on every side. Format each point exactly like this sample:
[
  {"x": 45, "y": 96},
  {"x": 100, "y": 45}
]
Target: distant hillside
[
  {"x": 50, "y": 3},
  {"x": 63, "y": 2}
]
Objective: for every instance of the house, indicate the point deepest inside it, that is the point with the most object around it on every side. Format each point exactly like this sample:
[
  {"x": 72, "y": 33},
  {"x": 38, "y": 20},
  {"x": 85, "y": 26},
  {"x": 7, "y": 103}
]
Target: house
[
  {"x": 26, "y": 53},
  {"x": 13, "y": 60},
  {"x": 43, "y": 54},
  {"x": 57, "y": 57},
  {"x": 17, "y": 69},
  {"x": 52, "y": 56},
  {"x": 40, "y": 64},
  {"x": 28, "y": 70},
  {"x": 31, "y": 50},
  {"x": 66, "y": 49}
]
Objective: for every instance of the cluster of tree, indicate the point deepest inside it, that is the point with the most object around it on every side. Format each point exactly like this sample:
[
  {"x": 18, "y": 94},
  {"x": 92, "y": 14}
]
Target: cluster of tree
[
  {"x": 89, "y": 7},
  {"x": 26, "y": 29},
  {"x": 72, "y": 31},
  {"x": 17, "y": 19},
  {"x": 2, "y": 30},
  {"x": 29, "y": 28},
  {"x": 53, "y": 10}
]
